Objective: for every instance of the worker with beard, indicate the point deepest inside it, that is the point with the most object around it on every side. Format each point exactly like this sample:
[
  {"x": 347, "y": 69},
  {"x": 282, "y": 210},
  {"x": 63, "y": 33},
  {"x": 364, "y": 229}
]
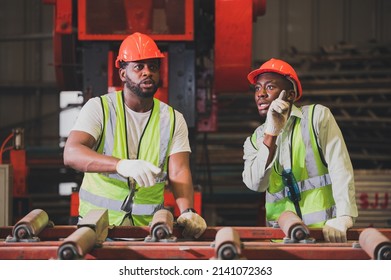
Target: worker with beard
[
  {"x": 298, "y": 156},
  {"x": 130, "y": 145}
]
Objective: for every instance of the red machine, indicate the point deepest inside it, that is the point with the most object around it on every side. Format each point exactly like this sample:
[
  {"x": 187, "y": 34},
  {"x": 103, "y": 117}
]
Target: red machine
[{"x": 191, "y": 32}]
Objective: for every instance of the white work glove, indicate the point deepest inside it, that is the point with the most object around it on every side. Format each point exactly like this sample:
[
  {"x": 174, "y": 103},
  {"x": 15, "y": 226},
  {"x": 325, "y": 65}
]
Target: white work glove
[
  {"x": 277, "y": 115},
  {"x": 193, "y": 223},
  {"x": 335, "y": 229},
  {"x": 143, "y": 172}
]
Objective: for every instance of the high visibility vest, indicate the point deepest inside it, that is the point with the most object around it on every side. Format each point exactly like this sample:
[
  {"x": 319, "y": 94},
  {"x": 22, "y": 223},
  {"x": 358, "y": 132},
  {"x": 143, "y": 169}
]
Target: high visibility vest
[
  {"x": 108, "y": 191},
  {"x": 317, "y": 204}
]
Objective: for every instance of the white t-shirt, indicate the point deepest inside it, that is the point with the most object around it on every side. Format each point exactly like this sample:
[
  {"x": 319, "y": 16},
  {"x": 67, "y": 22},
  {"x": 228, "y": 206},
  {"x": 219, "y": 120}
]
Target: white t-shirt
[{"x": 90, "y": 120}]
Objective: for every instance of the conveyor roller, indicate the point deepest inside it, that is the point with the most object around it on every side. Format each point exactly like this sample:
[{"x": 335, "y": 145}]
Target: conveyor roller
[
  {"x": 228, "y": 245},
  {"x": 28, "y": 228},
  {"x": 161, "y": 227},
  {"x": 92, "y": 232},
  {"x": 293, "y": 227},
  {"x": 375, "y": 244},
  {"x": 77, "y": 245}
]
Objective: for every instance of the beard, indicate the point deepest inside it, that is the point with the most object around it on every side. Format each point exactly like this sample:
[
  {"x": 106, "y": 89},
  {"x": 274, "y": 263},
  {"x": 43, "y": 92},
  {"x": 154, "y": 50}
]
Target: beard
[{"x": 137, "y": 90}]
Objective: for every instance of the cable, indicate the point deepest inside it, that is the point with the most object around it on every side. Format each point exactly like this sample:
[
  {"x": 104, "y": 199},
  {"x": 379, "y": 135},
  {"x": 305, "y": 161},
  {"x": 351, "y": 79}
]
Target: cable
[{"x": 2, "y": 149}]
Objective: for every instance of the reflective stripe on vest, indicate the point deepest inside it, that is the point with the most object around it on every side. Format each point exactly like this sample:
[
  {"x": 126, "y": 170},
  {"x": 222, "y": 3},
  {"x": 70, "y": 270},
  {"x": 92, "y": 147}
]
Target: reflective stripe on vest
[
  {"x": 113, "y": 124},
  {"x": 100, "y": 201},
  {"x": 305, "y": 185},
  {"x": 314, "y": 217},
  {"x": 323, "y": 215},
  {"x": 110, "y": 204},
  {"x": 157, "y": 134}
]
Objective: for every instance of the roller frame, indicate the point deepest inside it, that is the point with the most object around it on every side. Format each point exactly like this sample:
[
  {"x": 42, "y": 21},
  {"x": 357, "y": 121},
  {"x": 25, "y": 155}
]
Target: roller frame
[{"x": 257, "y": 244}]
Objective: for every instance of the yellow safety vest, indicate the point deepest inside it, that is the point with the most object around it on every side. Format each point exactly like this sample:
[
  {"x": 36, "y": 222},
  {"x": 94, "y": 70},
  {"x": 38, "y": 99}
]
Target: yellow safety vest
[
  {"x": 317, "y": 204},
  {"x": 108, "y": 191}
]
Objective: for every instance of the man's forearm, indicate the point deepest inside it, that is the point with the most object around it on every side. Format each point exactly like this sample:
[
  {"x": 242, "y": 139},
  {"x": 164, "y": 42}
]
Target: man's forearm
[
  {"x": 86, "y": 160},
  {"x": 270, "y": 142},
  {"x": 184, "y": 196}
]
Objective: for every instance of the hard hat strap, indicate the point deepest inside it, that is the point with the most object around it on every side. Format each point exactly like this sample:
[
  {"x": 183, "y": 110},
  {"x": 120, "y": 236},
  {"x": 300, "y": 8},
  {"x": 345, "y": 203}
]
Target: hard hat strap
[{"x": 294, "y": 86}]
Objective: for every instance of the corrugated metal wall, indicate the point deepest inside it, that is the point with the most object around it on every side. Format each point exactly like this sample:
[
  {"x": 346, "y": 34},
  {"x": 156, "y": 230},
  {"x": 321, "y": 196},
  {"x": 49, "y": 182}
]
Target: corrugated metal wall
[
  {"x": 28, "y": 94},
  {"x": 26, "y": 50},
  {"x": 307, "y": 25},
  {"x": 373, "y": 194}
]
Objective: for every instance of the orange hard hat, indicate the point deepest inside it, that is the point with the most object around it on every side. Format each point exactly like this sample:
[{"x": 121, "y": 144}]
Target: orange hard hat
[
  {"x": 280, "y": 67},
  {"x": 137, "y": 47}
]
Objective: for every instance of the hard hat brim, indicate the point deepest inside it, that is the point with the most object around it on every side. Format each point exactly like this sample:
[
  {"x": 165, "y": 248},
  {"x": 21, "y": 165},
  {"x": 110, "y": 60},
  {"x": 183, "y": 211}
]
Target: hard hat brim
[
  {"x": 160, "y": 56},
  {"x": 252, "y": 76}
]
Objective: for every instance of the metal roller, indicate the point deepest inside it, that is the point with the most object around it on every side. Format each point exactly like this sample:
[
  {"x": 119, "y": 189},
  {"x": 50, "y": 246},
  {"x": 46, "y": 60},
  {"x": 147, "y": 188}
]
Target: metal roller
[
  {"x": 293, "y": 227},
  {"x": 29, "y": 226},
  {"x": 227, "y": 244},
  {"x": 161, "y": 227},
  {"x": 78, "y": 244},
  {"x": 375, "y": 244},
  {"x": 92, "y": 232},
  {"x": 98, "y": 220}
]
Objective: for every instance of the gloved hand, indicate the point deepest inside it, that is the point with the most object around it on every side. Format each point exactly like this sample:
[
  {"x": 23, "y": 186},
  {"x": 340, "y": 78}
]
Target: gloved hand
[
  {"x": 277, "y": 115},
  {"x": 142, "y": 171},
  {"x": 335, "y": 229},
  {"x": 193, "y": 223}
]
